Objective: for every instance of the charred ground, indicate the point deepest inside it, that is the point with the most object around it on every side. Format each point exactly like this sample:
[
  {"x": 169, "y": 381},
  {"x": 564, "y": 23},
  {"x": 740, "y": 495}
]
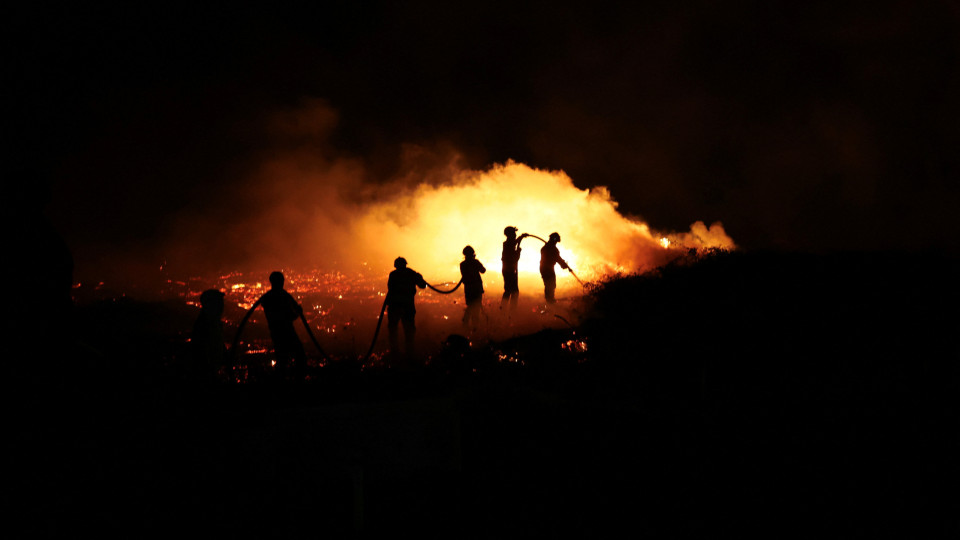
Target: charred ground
[{"x": 766, "y": 393}]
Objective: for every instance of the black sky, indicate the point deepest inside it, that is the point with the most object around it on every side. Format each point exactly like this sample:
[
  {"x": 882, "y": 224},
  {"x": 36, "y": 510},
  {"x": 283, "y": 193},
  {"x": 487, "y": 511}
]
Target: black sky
[{"x": 799, "y": 125}]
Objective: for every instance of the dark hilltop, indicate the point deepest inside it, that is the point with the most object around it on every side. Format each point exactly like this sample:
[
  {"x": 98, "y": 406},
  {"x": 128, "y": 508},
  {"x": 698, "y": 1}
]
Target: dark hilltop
[{"x": 762, "y": 394}]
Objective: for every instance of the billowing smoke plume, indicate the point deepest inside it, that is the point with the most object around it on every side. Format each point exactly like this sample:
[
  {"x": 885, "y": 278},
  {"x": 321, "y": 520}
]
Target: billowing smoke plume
[
  {"x": 430, "y": 224},
  {"x": 300, "y": 208}
]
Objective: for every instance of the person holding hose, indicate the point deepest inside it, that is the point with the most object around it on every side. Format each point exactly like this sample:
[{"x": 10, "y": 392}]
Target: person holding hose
[
  {"x": 281, "y": 309},
  {"x": 510, "y": 258},
  {"x": 549, "y": 257},
  {"x": 401, "y": 290},
  {"x": 470, "y": 270}
]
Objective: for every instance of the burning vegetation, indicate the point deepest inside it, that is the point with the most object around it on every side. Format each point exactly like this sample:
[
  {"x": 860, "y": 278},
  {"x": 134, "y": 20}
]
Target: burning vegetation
[
  {"x": 339, "y": 254},
  {"x": 430, "y": 224}
]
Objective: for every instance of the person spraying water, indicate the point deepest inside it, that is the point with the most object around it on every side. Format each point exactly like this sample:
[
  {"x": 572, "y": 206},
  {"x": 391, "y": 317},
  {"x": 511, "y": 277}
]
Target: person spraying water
[
  {"x": 510, "y": 257},
  {"x": 549, "y": 258}
]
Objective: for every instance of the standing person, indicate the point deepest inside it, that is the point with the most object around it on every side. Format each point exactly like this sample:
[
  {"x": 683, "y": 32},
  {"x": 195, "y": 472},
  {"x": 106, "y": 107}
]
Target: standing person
[
  {"x": 281, "y": 309},
  {"x": 401, "y": 290},
  {"x": 470, "y": 270},
  {"x": 550, "y": 256},
  {"x": 510, "y": 257},
  {"x": 206, "y": 341}
]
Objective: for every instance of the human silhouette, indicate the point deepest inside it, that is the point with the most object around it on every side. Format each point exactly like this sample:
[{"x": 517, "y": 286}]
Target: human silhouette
[
  {"x": 401, "y": 290},
  {"x": 207, "y": 347},
  {"x": 42, "y": 305},
  {"x": 549, "y": 257},
  {"x": 281, "y": 310},
  {"x": 470, "y": 270},
  {"x": 510, "y": 257}
]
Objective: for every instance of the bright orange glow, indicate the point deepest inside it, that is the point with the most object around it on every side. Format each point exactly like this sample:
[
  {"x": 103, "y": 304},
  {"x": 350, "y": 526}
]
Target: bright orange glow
[
  {"x": 429, "y": 225},
  {"x": 336, "y": 251}
]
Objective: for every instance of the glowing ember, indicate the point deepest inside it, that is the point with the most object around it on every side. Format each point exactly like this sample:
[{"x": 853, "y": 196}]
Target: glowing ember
[
  {"x": 429, "y": 224},
  {"x": 575, "y": 345}
]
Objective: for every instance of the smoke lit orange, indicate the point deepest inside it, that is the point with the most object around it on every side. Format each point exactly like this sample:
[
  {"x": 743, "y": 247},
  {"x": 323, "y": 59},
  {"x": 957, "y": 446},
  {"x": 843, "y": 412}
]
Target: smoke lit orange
[{"x": 430, "y": 225}]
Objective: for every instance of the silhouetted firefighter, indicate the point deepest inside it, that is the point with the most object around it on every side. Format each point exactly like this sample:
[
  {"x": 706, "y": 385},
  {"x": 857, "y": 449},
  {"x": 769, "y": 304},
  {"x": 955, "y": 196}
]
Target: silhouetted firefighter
[
  {"x": 401, "y": 290},
  {"x": 510, "y": 258},
  {"x": 206, "y": 342},
  {"x": 549, "y": 257},
  {"x": 44, "y": 294},
  {"x": 470, "y": 270},
  {"x": 281, "y": 310}
]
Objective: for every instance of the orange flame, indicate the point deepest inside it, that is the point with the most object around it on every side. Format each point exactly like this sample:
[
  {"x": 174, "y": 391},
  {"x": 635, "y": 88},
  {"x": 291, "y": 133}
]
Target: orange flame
[{"x": 429, "y": 225}]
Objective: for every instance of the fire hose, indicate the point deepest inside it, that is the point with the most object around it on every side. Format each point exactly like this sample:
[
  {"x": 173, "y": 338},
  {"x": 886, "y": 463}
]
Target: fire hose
[
  {"x": 313, "y": 339},
  {"x": 243, "y": 322},
  {"x": 568, "y": 268},
  {"x": 383, "y": 308}
]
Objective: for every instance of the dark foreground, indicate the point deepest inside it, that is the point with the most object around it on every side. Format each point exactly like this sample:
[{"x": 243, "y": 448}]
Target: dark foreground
[{"x": 754, "y": 394}]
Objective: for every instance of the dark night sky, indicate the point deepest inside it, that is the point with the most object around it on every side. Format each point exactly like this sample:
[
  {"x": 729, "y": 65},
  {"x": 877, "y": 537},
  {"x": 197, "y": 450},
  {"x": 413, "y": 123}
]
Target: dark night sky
[{"x": 806, "y": 126}]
